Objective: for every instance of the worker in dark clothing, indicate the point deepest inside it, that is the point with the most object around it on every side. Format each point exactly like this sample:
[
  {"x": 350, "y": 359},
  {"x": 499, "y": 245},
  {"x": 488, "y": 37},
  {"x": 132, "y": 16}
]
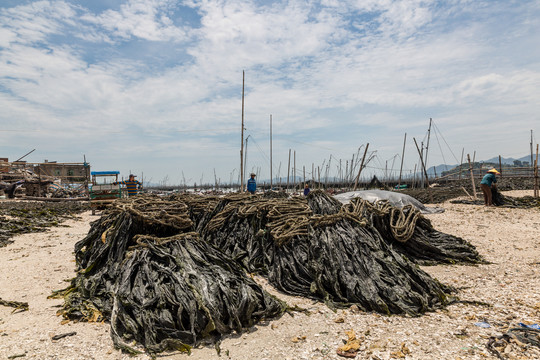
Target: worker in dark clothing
[
  {"x": 306, "y": 189},
  {"x": 252, "y": 184},
  {"x": 132, "y": 185},
  {"x": 488, "y": 182},
  {"x": 9, "y": 189}
]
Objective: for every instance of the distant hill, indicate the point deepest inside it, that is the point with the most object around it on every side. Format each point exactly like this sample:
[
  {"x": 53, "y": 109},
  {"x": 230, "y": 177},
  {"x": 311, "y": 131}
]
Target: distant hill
[
  {"x": 509, "y": 161},
  {"x": 439, "y": 169}
]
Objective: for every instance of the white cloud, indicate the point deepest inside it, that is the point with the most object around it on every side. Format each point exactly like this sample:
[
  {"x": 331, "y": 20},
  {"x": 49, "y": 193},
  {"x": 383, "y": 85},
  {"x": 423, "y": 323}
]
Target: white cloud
[
  {"x": 143, "y": 19},
  {"x": 366, "y": 70}
]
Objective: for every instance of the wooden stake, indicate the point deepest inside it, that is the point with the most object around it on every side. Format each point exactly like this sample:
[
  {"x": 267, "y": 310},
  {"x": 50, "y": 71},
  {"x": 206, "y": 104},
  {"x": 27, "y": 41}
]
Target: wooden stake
[
  {"x": 361, "y": 166},
  {"x": 461, "y": 163},
  {"x": 288, "y": 170},
  {"x": 472, "y": 176},
  {"x": 402, "y": 156},
  {"x": 425, "y": 172},
  {"x": 270, "y": 151},
  {"x": 536, "y": 174},
  {"x": 242, "y": 136}
]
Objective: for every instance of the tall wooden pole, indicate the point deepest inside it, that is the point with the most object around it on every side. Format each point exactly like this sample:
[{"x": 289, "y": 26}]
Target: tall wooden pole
[
  {"x": 270, "y": 151},
  {"x": 461, "y": 163},
  {"x": 242, "y": 136},
  {"x": 536, "y": 190},
  {"x": 425, "y": 172},
  {"x": 361, "y": 166},
  {"x": 245, "y": 159},
  {"x": 294, "y": 172},
  {"x": 500, "y": 165},
  {"x": 288, "y": 170},
  {"x": 427, "y": 144},
  {"x": 532, "y": 162},
  {"x": 472, "y": 176},
  {"x": 402, "y": 157}
]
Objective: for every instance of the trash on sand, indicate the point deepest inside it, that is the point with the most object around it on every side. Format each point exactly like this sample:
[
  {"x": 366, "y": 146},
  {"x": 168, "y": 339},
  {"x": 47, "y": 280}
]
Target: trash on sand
[{"x": 483, "y": 324}]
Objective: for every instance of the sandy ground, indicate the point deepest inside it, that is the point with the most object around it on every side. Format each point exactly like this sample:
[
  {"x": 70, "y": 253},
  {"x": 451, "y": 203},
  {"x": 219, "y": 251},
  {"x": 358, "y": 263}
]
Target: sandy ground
[{"x": 36, "y": 264}]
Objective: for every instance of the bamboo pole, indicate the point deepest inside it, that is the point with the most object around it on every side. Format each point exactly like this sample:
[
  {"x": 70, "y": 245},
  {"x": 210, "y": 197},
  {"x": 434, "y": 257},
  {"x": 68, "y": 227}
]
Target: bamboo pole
[
  {"x": 361, "y": 166},
  {"x": 288, "y": 170},
  {"x": 402, "y": 156},
  {"x": 294, "y": 172},
  {"x": 270, "y": 151},
  {"x": 536, "y": 190},
  {"x": 472, "y": 176},
  {"x": 242, "y": 136},
  {"x": 461, "y": 163},
  {"x": 500, "y": 165},
  {"x": 425, "y": 172}
]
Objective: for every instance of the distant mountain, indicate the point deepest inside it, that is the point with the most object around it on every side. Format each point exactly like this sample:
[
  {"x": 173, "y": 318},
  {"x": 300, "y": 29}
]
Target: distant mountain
[
  {"x": 509, "y": 161},
  {"x": 437, "y": 170}
]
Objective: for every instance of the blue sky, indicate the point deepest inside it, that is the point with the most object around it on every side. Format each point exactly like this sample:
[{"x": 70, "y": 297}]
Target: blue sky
[{"x": 155, "y": 87}]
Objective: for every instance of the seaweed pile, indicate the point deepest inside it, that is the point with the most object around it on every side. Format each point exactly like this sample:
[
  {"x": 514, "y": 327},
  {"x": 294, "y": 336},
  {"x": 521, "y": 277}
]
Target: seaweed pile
[
  {"x": 144, "y": 269},
  {"x": 28, "y": 217},
  {"x": 170, "y": 273},
  {"x": 413, "y": 235},
  {"x": 524, "y": 202}
]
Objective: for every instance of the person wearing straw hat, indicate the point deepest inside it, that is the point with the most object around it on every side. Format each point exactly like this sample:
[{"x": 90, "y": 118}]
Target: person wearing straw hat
[
  {"x": 488, "y": 182},
  {"x": 252, "y": 184}
]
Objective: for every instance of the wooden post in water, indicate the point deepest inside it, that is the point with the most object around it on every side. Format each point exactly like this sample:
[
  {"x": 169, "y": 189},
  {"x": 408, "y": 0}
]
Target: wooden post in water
[
  {"x": 472, "y": 176},
  {"x": 500, "y": 165}
]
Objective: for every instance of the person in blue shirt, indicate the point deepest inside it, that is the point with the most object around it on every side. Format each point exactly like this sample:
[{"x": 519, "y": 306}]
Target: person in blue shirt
[
  {"x": 306, "y": 189},
  {"x": 132, "y": 185},
  {"x": 488, "y": 182},
  {"x": 252, "y": 184}
]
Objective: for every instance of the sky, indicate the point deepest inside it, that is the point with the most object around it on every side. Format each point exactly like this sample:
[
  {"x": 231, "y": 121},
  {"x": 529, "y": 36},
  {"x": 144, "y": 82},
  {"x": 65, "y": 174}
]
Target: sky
[{"x": 154, "y": 87}]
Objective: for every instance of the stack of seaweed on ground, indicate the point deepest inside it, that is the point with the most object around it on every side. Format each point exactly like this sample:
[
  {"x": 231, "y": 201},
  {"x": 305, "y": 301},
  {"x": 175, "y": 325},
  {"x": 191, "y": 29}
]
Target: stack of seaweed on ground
[
  {"x": 171, "y": 272},
  {"x": 144, "y": 269},
  {"x": 524, "y": 202},
  {"x": 338, "y": 258},
  {"x": 411, "y": 234}
]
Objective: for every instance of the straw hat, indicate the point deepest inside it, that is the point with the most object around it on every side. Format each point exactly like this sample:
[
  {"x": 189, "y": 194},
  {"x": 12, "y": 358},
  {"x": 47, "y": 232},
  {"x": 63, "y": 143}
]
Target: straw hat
[{"x": 493, "y": 171}]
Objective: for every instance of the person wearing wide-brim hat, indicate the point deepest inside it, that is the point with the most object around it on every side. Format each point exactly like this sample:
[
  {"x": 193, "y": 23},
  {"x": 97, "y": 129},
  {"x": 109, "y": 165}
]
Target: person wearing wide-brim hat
[
  {"x": 488, "y": 182},
  {"x": 252, "y": 184}
]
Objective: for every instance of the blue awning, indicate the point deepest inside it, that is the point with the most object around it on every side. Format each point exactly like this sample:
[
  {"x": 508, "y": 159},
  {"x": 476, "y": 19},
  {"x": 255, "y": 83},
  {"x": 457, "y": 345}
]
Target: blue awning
[{"x": 104, "y": 172}]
